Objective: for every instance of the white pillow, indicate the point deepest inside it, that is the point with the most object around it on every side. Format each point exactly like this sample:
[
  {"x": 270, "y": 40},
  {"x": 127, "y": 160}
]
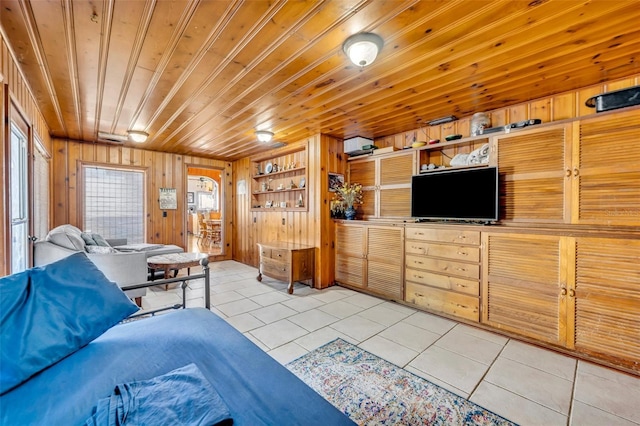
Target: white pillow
[{"x": 67, "y": 236}]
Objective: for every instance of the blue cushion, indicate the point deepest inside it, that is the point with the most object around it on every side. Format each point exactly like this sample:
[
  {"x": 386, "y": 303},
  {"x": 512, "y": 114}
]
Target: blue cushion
[{"x": 49, "y": 312}]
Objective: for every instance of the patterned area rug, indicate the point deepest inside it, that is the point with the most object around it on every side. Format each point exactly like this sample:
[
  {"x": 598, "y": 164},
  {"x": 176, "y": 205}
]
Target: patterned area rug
[{"x": 372, "y": 391}]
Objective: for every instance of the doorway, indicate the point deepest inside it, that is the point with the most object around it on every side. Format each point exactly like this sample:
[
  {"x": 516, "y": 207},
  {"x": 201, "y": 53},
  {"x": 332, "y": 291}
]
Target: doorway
[
  {"x": 205, "y": 213},
  {"x": 19, "y": 200}
]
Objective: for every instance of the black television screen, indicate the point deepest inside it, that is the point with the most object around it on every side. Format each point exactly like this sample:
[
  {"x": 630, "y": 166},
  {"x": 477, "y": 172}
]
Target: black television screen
[{"x": 458, "y": 194}]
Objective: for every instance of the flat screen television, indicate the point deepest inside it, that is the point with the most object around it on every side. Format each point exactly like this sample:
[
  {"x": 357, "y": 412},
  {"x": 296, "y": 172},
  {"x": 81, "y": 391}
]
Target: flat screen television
[{"x": 456, "y": 194}]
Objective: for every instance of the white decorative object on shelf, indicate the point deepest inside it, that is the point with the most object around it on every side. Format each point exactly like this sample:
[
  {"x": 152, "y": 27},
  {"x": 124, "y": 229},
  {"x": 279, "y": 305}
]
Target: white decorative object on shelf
[{"x": 479, "y": 122}]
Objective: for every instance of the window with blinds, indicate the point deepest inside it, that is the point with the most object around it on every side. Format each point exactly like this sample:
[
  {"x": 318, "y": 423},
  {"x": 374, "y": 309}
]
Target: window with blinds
[{"x": 114, "y": 203}]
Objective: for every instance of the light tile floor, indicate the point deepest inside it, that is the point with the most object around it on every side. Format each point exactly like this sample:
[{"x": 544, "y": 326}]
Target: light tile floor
[{"x": 524, "y": 383}]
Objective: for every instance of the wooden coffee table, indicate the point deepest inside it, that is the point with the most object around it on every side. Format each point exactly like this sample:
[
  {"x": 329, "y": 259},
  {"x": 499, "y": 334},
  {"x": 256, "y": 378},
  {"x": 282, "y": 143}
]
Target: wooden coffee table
[{"x": 174, "y": 262}]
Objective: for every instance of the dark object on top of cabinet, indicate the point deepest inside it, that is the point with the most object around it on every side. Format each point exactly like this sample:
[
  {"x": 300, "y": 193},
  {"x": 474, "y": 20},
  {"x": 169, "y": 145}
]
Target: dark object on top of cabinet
[
  {"x": 517, "y": 124},
  {"x": 614, "y": 100}
]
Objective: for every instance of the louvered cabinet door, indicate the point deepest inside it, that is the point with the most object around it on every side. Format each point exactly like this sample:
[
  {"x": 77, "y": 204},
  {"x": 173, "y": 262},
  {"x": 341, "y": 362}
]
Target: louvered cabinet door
[
  {"x": 350, "y": 259},
  {"x": 522, "y": 285},
  {"x": 394, "y": 184},
  {"x": 607, "y": 299},
  {"x": 394, "y": 202},
  {"x": 385, "y": 261},
  {"x": 606, "y": 170},
  {"x": 363, "y": 171},
  {"x": 533, "y": 164}
]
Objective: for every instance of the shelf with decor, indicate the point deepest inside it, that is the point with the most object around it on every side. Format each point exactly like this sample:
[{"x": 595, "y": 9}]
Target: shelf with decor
[
  {"x": 440, "y": 155},
  {"x": 295, "y": 171},
  {"x": 280, "y": 183}
]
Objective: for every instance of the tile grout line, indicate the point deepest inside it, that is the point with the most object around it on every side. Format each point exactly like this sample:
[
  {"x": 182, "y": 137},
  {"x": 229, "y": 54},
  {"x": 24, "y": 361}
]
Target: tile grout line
[
  {"x": 573, "y": 392},
  {"x": 489, "y": 368}
]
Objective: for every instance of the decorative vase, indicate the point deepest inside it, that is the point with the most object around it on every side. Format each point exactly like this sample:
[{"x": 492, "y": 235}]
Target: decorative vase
[
  {"x": 479, "y": 122},
  {"x": 350, "y": 213}
]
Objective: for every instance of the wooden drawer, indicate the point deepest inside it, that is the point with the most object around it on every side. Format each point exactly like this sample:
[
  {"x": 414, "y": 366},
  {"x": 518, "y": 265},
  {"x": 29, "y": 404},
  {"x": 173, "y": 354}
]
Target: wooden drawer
[
  {"x": 465, "y": 253},
  {"x": 275, "y": 269},
  {"x": 265, "y": 253},
  {"x": 448, "y": 302},
  {"x": 281, "y": 254},
  {"x": 443, "y": 266},
  {"x": 445, "y": 282},
  {"x": 443, "y": 235}
]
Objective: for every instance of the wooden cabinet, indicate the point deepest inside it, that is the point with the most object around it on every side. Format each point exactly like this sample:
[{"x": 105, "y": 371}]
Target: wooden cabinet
[
  {"x": 605, "y": 172},
  {"x": 386, "y": 183},
  {"x": 287, "y": 262},
  {"x": 522, "y": 281},
  {"x": 606, "y": 302},
  {"x": 533, "y": 182},
  {"x": 580, "y": 293},
  {"x": 582, "y": 172},
  {"x": 443, "y": 270},
  {"x": 280, "y": 184},
  {"x": 369, "y": 257}
]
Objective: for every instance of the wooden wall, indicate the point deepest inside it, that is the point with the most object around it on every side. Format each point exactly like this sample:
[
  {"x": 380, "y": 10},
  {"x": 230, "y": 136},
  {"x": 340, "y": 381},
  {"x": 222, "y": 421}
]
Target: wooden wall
[
  {"x": 163, "y": 171},
  {"x": 313, "y": 227},
  {"x": 15, "y": 94},
  {"x": 563, "y": 106}
]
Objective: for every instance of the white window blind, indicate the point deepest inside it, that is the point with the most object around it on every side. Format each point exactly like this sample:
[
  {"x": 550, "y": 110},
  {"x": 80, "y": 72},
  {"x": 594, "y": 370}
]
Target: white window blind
[{"x": 114, "y": 203}]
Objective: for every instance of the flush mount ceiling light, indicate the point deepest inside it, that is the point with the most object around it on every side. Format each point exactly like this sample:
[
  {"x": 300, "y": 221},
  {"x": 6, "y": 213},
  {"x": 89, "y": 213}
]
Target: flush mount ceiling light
[
  {"x": 138, "y": 135},
  {"x": 363, "y": 48},
  {"x": 264, "y": 135}
]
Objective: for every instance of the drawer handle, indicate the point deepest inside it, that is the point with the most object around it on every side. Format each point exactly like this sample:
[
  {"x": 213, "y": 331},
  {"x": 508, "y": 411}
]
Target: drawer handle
[
  {"x": 418, "y": 276},
  {"x": 417, "y": 262},
  {"x": 461, "y": 285},
  {"x": 419, "y": 295},
  {"x": 462, "y": 237},
  {"x": 279, "y": 255},
  {"x": 462, "y": 306},
  {"x": 461, "y": 269},
  {"x": 463, "y": 253}
]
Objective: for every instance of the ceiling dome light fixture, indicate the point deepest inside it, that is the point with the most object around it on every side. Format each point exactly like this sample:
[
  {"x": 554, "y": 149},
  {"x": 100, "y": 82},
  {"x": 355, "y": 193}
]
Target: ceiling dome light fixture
[
  {"x": 363, "y": 48},
  {"x": 138, "y": 136},
  {"x": 264, "y": 135}
]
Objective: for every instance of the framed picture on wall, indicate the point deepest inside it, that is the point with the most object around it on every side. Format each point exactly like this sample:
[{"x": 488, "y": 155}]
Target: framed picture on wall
[
  {"x": 168, "y": 199},
  {"x": 190, "y": 198},
  {"x": 336, "y": 180}
]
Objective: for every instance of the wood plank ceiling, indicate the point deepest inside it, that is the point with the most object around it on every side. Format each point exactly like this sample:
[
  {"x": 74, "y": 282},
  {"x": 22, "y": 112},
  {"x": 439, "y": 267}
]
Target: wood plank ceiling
[{"x": 201, "y": 76}]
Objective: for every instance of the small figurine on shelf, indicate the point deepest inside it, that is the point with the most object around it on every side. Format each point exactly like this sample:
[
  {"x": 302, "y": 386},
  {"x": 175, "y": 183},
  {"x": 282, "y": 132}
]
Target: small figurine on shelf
[
  {"x": 292, "y": 185},
  {"x": 300, "y": 202}
]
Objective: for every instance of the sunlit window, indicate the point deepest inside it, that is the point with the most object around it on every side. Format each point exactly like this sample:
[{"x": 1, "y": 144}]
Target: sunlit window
[{"x": 114, "y": 203}]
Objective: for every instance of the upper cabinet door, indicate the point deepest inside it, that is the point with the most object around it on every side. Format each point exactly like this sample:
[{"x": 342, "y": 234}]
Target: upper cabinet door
[
  {"x": 394, "y": 184},
  {"x": 363, "y": 172},
  {"x": 386, "y": 181},
  {"x": 533, "y": 167},
  {"x": 606, "y": 170}
]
